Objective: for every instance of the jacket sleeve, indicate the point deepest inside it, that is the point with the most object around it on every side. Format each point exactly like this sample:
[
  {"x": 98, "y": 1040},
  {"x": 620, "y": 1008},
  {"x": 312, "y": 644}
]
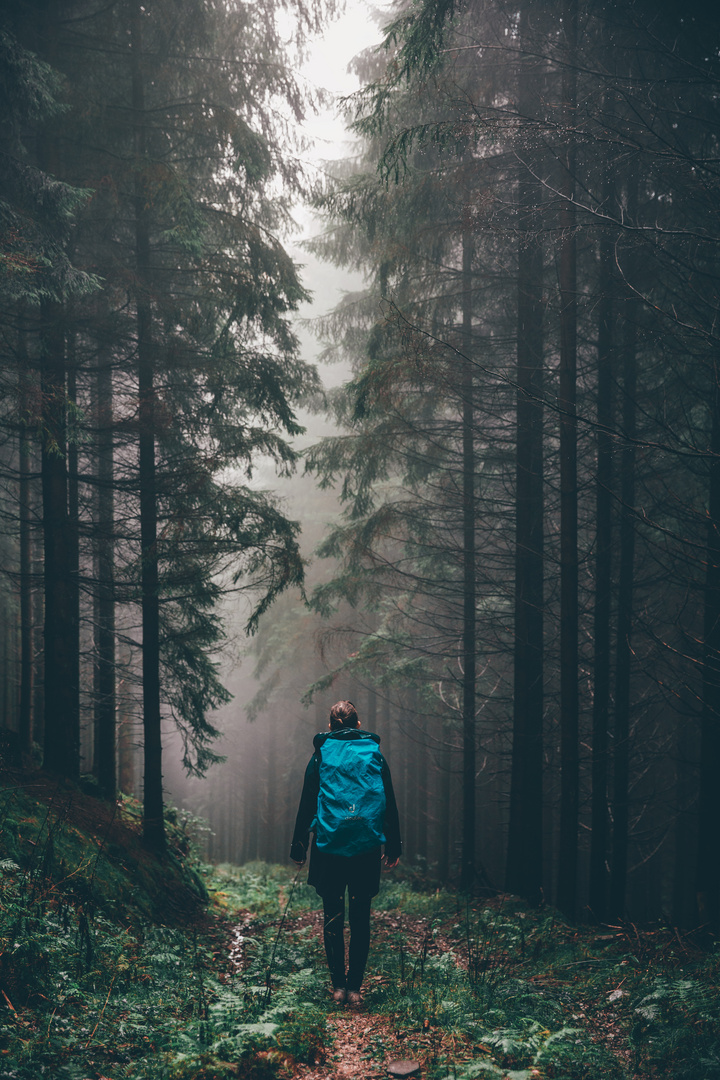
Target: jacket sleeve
[
  {"x": 306, "y": 812},
  {"x": 393, "y": 841}
]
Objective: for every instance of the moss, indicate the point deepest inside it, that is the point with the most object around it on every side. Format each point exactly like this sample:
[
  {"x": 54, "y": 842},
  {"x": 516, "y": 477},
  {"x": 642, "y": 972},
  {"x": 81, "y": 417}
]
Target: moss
[{"x": 93, "y": 849}]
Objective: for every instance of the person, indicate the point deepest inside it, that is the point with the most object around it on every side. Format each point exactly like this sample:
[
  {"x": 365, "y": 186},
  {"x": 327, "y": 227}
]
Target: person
[{"x": 332, "y": 873}]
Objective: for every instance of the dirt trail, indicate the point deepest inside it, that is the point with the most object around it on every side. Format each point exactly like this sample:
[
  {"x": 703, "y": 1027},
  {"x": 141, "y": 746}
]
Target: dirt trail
[
  {"x": 355, "y": 1041},
  {"x": 360, "y": 1043},
  {"x": 363, "y": 1044}
]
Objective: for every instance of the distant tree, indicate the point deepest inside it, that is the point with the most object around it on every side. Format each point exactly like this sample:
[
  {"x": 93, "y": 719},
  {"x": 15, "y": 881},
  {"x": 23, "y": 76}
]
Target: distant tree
[
  {"x": 569, "y": 600},
  {"x": 524, "y": 867}
]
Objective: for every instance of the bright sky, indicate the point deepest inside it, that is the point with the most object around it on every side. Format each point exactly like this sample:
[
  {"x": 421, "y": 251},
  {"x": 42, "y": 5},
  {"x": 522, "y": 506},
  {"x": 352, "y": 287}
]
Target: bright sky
[
  {"x": 327, "y": 68},
  {"x": 345, "y": 37}
]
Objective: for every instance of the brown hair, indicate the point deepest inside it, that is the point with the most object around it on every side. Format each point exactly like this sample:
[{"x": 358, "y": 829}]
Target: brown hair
[{"x": 343, "y": 714}]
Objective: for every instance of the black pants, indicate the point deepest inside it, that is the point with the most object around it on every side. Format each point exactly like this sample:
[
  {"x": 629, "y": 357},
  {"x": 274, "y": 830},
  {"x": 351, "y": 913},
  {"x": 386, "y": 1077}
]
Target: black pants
[{"x": 334, "y": 912}]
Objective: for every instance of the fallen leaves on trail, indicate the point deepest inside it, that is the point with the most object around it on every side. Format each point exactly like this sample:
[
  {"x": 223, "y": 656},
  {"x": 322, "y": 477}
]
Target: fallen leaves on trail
[{"x": 354, "y": 1049}]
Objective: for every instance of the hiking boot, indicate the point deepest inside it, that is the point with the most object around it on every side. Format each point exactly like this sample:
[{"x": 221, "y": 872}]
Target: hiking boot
[
  {"x": 354, "y": 998},
  {"x": 339, "y": 995}
]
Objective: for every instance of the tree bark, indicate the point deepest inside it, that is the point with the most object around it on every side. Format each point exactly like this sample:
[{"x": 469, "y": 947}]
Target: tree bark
[
  {"x": 444, "y": 831},
  {"x": 569, "y": 620},
  {"x": 422, "y": 784},
  {"x": 61, "y": 697},
  {"x": 26, "y": 614},
  {"x": 707, "y": 877},
  {"x": 623, "y": 663},
  {"x": 525, "y": 834},
  {"x": 603, "y": 587},
  {"x": 469, "y": 601},
  {"x": 74, "y": 523},
  {"x": 153, "y": 823},
  {"x": 411, "y": 777},
  {"x": 105, "y": 694}
]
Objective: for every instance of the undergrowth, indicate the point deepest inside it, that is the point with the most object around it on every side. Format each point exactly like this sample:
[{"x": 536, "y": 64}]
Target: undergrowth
[
  {"x": 497, "y": 990},
  {"x": 114, "y": 963},
  {"x": 95, "y": 986}
]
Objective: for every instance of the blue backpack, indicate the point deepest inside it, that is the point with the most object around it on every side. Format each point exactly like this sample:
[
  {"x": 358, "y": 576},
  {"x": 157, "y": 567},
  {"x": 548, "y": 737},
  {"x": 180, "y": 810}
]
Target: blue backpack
[{"x": 351, "y": 799}]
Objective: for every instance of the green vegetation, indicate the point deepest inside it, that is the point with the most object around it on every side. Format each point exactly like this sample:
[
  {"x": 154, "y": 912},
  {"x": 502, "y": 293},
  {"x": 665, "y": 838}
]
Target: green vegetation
[{"x": 114, "y": 964}]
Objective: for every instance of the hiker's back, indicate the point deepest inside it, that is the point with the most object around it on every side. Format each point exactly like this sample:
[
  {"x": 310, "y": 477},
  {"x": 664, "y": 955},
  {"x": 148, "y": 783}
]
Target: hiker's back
[{"x": 351, "y": 797}]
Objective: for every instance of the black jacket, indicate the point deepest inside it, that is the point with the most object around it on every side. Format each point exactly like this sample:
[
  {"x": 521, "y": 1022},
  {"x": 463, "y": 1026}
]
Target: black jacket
[{"x": 311, "y": 786}]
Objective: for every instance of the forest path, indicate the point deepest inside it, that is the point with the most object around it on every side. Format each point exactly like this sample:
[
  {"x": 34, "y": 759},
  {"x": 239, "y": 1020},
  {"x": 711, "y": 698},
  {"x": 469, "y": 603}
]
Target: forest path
[
  {"x": 360, "y": 1042},
  {"x": 360, "y": 1045},
  {"x": 364, "y": 1043}
]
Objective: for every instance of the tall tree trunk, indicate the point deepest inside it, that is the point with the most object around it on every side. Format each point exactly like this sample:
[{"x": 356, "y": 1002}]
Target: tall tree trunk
[
  {"x": 569, "y": 621},
  {"x": 621, "y": 733},
  {"x": 153, "y": 823},
  {"x": 423, "y": 794},
  {"x": 684, "y": 828},
  {"x": 469, "y": 588},
  {"x": 525, "y": 834},
  {"x": 126, "y": 752},
  {"x": 61, "y": 697},
  {"x": 603, "y": 585},
  {"x": 411, "y": 777},
  {"x": 707, "y": 877},
  {"x": 38, "y": 619},
  {"x": 445, "y": 765},
  {"x": 271, "y": 848},
  {"x": 74, "y": 519},
  {"x": 105, "y": 693},
  {"x": 61, "y": 691},
  {"x": 26, "y": 614}
]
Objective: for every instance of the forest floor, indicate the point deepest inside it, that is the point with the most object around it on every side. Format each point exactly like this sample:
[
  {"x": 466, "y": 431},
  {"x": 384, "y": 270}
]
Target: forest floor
[
  {"x": 486, "y": 988},
  {"x": 118, "y": 965}
]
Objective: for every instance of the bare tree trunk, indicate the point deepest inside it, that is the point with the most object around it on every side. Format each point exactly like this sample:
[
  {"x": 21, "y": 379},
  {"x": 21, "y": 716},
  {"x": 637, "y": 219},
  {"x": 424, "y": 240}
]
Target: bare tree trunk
[
  {"x": 444, "y": 840},
  {"x": 621, "y": 733},
  {"x": 525, "y": 834},
  {"x": 153, "y": 823},
  {"x": 38, "y": 619},
  {"x": 423, "y": 794},
  {"x": 707, "y": 877},
  {"x": 74, "y": 521},
  {"x": 105, "y": 692},
  {"x": 271, "y": 847},
  {"x": 126, "y": 753},
  {"x": 26, "y": 613},
  {"x": 684, "y": 827},
  {"x": 61, "y": 698},
  {"x": 603, "y": 587},
  {"x": 411, "y": 784},
  {"x": 469, "y": 588},
  {"x": 569, "y": 620}
]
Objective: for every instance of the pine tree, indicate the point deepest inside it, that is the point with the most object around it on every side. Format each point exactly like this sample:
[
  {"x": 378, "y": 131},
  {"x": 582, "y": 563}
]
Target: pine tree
[{"x": 191, "y": 194}]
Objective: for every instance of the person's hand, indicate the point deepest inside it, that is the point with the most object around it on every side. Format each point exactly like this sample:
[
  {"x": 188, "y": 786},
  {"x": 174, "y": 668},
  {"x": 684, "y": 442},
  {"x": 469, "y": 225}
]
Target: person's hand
[{"x": 387, "y": 865}]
